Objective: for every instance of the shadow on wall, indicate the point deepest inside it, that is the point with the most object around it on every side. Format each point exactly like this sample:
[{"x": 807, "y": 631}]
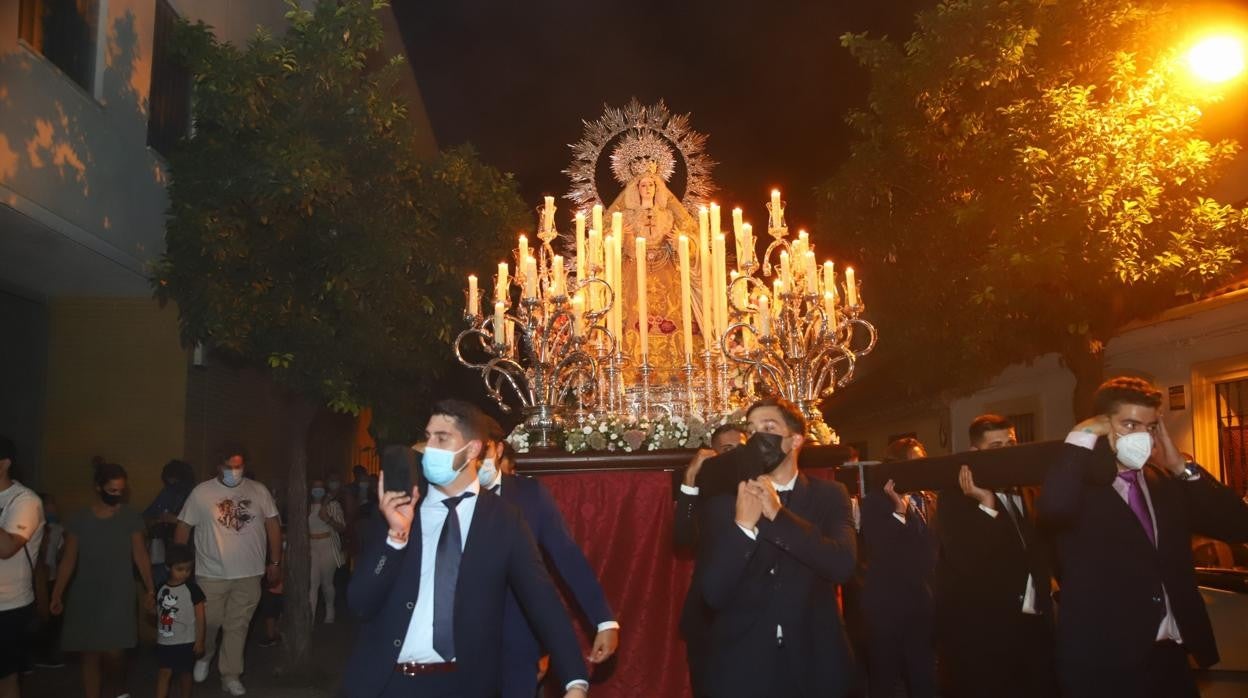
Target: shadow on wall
[{"x": 85, "y": 160}]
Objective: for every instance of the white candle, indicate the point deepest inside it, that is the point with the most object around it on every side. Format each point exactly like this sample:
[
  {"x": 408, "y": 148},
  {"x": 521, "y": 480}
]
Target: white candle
[
  {"x": 509, "y": 334},
  {"x": 578, "y": 316},
  {"x": 704, "y": 264},
  {"x": 556, "y": 275},
  {"x": 618, "y": 242},
  {"x": 596, "y": 220},
  {"x": 617, "y": 225},
  {"x": 829, "y": 278},
  {"x": 686, "y": 302},
  {"x": 643, "y": 314},
  {"x": 500, "y": 336},
  {"x": 714, "y": 220},
  {"x": 803, "y": 242},
  {"x": 777, "y": 295},
  {"x": 594, "y": 250},
  {"x": 548, "y": 215},
  {"x": 736, "y": 221},
  {"x": 812, "y": 274},
  {"x": 720, "y": 276},
  {"x": 851, "y": 288},
  {"x": 580, "y": 246},
  {"x": 786, "y": 270},
  {"x": 747, "y": 244},
  {"x": 764, "y": 316},
  {"x": 777, "y": 214},
  {"x": 522, "y": 251},
  {"x": 829, "y": 309},
  {"x": 608, "y": 275},
  {"x": 530, "y": 277},
  {"x": 472, "y": 295},
  {"x": 500, "y": 283}
]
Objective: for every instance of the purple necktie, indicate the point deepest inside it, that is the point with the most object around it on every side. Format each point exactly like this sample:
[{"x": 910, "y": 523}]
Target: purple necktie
[{"x": 1135, "y": 500}]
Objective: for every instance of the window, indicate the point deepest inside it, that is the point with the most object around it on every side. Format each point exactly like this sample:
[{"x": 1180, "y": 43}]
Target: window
[
  {"x": 1231, "y": 399},
  {"x": 169, "y": 102},
  {"x": 1024, "y": 426},
  {"x": 64, "y": 31}
]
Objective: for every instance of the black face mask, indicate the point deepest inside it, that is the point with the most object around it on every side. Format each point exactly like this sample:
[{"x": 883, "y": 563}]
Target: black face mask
[
  {"x": 109, "y": 498},
  {"x": 760, "y": 455}
]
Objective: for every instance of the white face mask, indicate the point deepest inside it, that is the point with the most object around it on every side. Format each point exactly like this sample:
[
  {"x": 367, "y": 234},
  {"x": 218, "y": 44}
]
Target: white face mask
[
  {"x": 1135, "y": 449},
  {"x": 231, "y": 476},
  {"x": 487, "y": 472}
]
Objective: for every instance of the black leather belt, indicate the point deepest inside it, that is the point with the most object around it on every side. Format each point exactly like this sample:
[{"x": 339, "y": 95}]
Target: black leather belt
[{"x": 415, "y": 669}]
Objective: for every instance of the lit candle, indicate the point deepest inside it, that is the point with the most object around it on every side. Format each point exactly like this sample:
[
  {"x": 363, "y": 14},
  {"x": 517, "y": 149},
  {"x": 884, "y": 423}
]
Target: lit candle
[
  {"x": 803, "y": 242},
  {"x": 686, "y": 303},
  {"x": 786, "y": 270},
  {"x": 522, "y": 251},
  {"x": 643, "y": 314},
  {"x": 714, "y": 220},
  {"x": 548, "y": 216},
  {"x": 764, "y": 316},
  {"x": 596, "y": 219},
  {"x": 578, "y": 316},
  {"x": 777, "y": 214},
  {"x": 510, "y": 334},
  {"x": 829, "y": 309},
  {"x": 600, "y": 301},
  {"x": 720, "y": 276},
  {"x": 530, "y": 277},
  {"x": 812, "y": 274},
  {"x": 500, "y": 283},
  {"x": 617, "y": 225},
  {"x": 829, "y": 278},
  {"x": 851, "y": 288},
  {"x": 500, "y": 336},
  {"x": 580, "y": 246},
  {"x": 736, "y": 221},
  {"x": 472, "y": 295},
  {"x": 704, "y": 260},
  {"x": 594, "y": 249},
  {"x": 619, "y": 276}
]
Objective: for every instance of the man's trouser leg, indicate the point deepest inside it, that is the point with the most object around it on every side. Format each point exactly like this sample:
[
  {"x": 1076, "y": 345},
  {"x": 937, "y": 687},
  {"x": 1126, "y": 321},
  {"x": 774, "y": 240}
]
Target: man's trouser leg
[
  {"x": 215, "y": 592},
  {"x": 240, "y": 604}
]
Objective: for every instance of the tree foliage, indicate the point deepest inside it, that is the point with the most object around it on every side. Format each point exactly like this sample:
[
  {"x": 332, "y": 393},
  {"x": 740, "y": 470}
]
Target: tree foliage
[
  {"x": 1026, "y": 177},
  {"x": 304, "y": 232}
]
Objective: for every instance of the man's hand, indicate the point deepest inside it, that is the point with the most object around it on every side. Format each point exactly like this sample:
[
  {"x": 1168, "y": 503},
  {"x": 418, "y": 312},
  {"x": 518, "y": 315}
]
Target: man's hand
[
  {"x": 272, "y": 574},
  {"x": 198, "y": 649},
  {"x": 763, "y": 488},
  {"x": 56, "y": 606},
  {"x": 749, "y": 507},
  {"x": 985, "y": 497},
  {"x": 1098, "y": 425},
  {"x": 397, "y": 508},
  {"x": 605, "y": 644},
  {"x": 900, "y": 505},
  {"x": 695, "y": 466},
  {"x": 324, "y": 513},
  {"x": 149, "y": 602},
  {"x": 167, "y": 517},
  {"x": 1165, "y": 454}
]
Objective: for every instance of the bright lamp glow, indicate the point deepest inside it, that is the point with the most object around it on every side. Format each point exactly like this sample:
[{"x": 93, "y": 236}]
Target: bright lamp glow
[{"x": 1217, "y": 58}]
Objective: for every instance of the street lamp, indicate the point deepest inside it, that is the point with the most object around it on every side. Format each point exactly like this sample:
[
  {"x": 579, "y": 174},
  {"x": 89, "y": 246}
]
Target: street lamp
[{"x": 1216, "y": 59}]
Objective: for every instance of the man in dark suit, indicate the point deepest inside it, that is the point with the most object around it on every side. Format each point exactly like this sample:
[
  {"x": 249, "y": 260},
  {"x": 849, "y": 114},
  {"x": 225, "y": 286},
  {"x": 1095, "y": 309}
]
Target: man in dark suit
[
  {"x": 521, "y": 649},
  {"x": 1124, "y": 504},
  {"x": 896, "y": 600},
  {"x": 431, "y": 590},
  {"x": 695, "y": 616},
  {"x": 993, "y": 611},
  {"x": 770, "y": 559}
]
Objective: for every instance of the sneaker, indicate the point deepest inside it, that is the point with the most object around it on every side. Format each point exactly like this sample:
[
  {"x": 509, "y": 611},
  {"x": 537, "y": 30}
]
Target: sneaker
[
  {"x": 124, "y": 695},
  {"x": 201, "y": 670},
  {"x": 233, "y": 687}
]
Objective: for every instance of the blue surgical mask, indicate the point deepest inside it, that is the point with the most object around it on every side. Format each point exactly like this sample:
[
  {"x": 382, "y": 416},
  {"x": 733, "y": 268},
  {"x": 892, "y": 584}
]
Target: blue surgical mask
[
  {"x": 318, "y": 492},
  {"x": 487, "y": 473},
  {"x": 231, "y": 476},
  {"x": 438, "y": 465}
]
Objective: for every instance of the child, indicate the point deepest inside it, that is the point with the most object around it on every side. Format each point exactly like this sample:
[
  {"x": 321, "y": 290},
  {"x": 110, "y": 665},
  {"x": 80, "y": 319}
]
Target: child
[
  {"x": 272, "y": 604},
  {"x": 179, "y": 623}
]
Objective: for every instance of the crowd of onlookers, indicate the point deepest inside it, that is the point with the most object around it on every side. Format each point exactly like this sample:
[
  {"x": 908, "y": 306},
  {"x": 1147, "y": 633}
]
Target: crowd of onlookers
[{"x": 201, "y": 564}]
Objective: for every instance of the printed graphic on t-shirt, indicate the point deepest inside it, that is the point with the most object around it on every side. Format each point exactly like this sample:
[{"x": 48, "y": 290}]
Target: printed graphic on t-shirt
[
  {"x": 167, "y": 607},
  {"x": 234, "y": 514}
]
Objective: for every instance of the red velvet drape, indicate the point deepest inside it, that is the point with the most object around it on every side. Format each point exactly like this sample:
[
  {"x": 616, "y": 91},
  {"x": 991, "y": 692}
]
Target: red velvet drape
[{"x": 623, "y": 522}]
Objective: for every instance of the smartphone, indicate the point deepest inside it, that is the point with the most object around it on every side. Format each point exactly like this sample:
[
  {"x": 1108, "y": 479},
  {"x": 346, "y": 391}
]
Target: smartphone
[{"x": 397, "y": 465}]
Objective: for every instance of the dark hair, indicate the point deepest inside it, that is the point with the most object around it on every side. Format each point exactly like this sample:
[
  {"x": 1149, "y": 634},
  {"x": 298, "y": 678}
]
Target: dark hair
[
  {"x": 493, "y": 429},
  {"x": 900, "y": 449},
  {"x": 107, "y": 472},
  {"x": 469, "y": 418},
  {"x": 1125, "y": 390},
  {"x": 985, "y": 423},
  {"x": 724, "y": 429},
  {"x": 178, "y": 553},
  {"x": 227, "y": 451},
  {"x": 793, "y": 417},
  {"x": 179, "y": 471},
  {"x": 8, "y": 451}
]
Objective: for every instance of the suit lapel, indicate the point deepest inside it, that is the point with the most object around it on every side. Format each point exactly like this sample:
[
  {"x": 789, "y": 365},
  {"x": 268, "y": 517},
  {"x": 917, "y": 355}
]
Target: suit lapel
[{"x": 1157, "y": 495}]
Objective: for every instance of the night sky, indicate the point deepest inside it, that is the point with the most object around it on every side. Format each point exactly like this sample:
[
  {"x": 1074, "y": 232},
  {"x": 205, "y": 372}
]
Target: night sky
[{"x": 768, "y": 82}]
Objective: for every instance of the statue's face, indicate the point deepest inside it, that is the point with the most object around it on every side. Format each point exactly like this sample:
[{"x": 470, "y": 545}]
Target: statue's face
[{"x": 646, "y": 188}]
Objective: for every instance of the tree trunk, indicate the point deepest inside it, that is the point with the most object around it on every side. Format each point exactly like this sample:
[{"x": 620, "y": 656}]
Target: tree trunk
[
  {"x": 1087, "y": 362},
  {"x": 297, "y": 616}
]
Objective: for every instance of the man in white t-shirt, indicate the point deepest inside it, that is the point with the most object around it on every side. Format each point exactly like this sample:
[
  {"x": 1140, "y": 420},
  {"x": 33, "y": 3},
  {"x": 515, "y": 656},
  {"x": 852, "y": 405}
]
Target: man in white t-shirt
[
  {"x": 21, "y": 532},
  {"x": 236, "y": 530}
]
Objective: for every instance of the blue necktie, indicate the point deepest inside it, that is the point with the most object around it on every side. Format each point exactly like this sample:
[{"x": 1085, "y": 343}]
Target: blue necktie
[{"x": 445, "y": 575}]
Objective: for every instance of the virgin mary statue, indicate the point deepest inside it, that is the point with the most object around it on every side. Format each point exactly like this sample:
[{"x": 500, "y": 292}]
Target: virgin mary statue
[{"x": 651, "y": 211}]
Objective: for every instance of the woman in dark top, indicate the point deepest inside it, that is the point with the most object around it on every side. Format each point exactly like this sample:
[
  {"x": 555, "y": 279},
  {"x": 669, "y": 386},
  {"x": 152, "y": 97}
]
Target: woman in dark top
[{"x": 103, "y": 546}]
